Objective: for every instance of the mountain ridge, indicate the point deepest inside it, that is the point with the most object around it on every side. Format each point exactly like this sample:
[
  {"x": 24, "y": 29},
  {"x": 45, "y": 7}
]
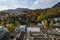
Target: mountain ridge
[
  {"x": 17, "y": 10},
  {"x": 57, "y": 5},
  {"x": 20, "y": 10}
]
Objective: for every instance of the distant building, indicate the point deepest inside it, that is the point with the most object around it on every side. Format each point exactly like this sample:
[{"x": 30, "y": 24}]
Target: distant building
[
  {"x": 2, "y": 16},
  {"x": 57, "y": 19},
  {"x": 57, "y": 24},
  {"x": 39, "y": 25}
]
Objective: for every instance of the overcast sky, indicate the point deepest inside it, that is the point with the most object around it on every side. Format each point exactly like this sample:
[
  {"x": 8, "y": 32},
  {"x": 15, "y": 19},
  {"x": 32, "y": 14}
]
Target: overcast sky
[{"x": 31, "y": 4}]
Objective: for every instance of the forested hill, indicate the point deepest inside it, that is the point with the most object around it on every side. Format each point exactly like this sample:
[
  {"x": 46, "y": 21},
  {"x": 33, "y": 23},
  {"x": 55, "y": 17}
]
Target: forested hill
[{"x": 37, "y": 15}]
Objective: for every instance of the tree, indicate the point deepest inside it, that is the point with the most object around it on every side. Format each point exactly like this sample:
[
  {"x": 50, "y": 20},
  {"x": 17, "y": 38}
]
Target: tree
[
  {"x": 40, "y": 17},
  {"x": 11, "y": 27},
  {"x": 45, "y": 23},
  {"x": 3, "y": 23},
  {"x": 51, "y": 25}
]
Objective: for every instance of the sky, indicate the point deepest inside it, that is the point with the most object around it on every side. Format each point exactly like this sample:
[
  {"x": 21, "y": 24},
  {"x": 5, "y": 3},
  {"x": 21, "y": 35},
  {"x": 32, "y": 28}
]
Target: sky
[{"x": 31, "y": 4}]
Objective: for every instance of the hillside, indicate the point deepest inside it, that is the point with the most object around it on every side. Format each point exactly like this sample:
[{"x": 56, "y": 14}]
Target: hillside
[{"x": 57, "y": 5}]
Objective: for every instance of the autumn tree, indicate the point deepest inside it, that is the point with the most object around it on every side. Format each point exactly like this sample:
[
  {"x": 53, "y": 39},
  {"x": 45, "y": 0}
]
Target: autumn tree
[
  {"x": 51, "y": 25},
  {"x": 3, "y": 23},
  {"x": 45, "y": 23},
  {"x": 11, "y": 27},
  {"x": 40, "y": 17}
]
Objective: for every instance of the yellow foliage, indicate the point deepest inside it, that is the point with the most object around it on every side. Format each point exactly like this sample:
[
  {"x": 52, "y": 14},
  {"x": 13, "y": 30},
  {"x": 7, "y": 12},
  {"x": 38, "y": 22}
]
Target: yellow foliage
[
  {"x": 11, "y": 27},
  {"x": 45, "y": 23},
  {"x": 51, "y": 24},
  {"x": 2, "y": 24}
]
